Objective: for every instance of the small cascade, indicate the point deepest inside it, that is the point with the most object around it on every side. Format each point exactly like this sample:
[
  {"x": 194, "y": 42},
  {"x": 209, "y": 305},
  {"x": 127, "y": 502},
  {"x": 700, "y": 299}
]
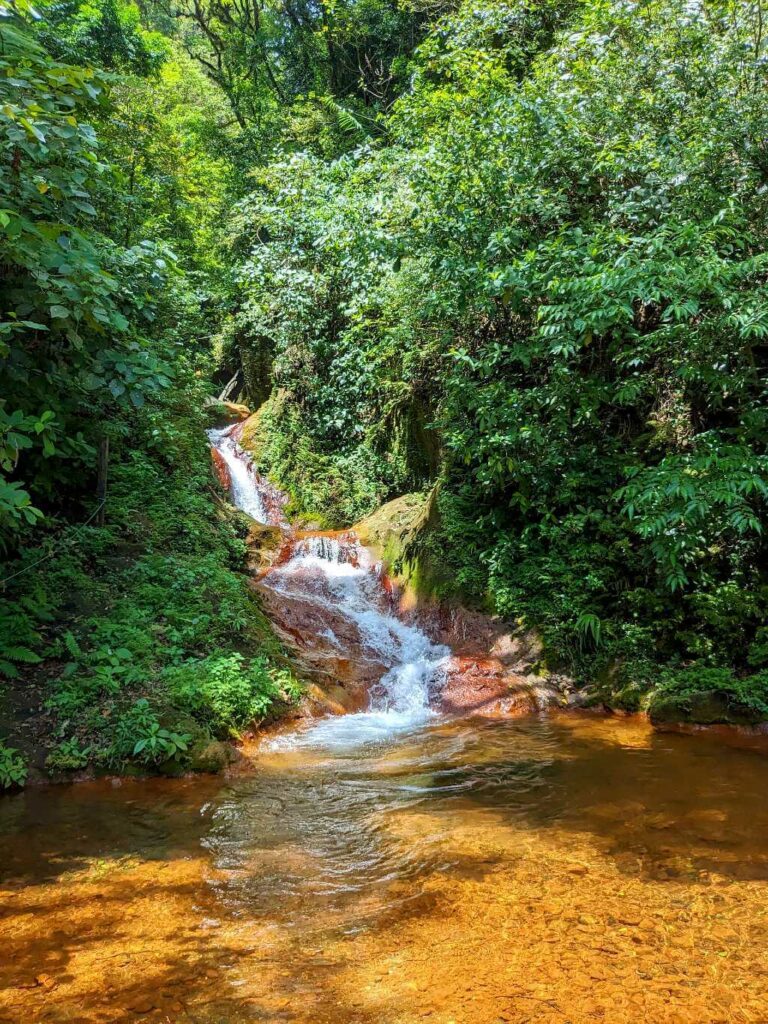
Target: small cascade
[
  {"x": 250, "y": 492},
  {"x": 341, "y": 549},
  {"x": 335, "y": 584},
  {"x": 328, "y": 597}
]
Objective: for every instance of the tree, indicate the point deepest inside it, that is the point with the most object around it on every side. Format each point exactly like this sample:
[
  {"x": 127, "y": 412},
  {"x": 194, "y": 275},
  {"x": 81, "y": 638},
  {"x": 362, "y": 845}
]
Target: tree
[{"x": 73, "y": 300}]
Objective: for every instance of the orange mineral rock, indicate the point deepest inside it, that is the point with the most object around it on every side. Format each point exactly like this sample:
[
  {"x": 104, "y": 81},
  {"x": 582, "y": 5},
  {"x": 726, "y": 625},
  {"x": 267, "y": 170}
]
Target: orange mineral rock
[{"x": 221, "y": 469}]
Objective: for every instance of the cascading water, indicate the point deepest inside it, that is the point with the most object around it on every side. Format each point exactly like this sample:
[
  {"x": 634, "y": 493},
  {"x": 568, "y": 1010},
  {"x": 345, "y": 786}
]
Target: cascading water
[
  {"x": 333, "y": 580},
  {"x": 338, "y": 577},
  {"x": 245, "y": 491}
]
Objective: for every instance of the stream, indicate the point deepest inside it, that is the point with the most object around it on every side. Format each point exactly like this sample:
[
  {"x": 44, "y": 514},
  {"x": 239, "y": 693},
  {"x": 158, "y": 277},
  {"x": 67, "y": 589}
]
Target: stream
[{"x": 396, "y": 864}]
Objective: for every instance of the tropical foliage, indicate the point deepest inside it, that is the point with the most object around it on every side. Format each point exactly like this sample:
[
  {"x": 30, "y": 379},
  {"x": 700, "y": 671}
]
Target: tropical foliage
[
  {"x": 548, "y": 293},
  {"x": 512, "y": 254}
]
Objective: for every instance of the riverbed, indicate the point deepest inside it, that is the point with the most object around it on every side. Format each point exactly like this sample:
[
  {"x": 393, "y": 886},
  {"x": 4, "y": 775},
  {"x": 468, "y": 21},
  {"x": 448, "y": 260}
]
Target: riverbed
[{"x": 558, "y": 868}]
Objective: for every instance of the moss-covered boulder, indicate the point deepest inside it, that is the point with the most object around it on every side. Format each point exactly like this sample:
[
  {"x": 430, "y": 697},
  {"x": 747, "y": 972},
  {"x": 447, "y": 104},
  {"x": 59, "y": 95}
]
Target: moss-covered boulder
[
  {"x": 211, "y": 756},
  {"x": 264, "y": 543},
  {"x": 397, "y": 533},
  {"x": 707, "y": 695},
  {"x": 711, "y": 708},
  {"x": 218, "y": 413},
  {"x": 250, "y": 433}
]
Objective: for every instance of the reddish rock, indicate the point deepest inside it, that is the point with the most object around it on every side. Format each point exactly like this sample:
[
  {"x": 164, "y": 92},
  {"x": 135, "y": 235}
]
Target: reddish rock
[
  {"x": 237, "y": 411},
  {"x": 326, "y": 645},
  {"x": 221, "y": 469},
  {"x": 483, "y": 686},
  {"x": 471, "y": 634}
]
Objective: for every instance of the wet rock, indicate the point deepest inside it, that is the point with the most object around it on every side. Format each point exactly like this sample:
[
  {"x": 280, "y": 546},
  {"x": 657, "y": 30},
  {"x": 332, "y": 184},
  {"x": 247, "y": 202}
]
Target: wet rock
[
  {"x": 221, "y": 470},
  {"x": 629, "y": 919},
  {"x": 708, "y": 708},
  {"x": 172, "y": 768},
  {"x": 249, "y": 433},
  {"x": 483, "y": 687},
  {"x": 577, "y": 869},
  {"x": 210, "y": 756},
  {"x": 228, "y": 412},
  {"x": 264, "y": 545},
  {"x": 142, "y": 1005},
  {"x": 236, "y": 410}
]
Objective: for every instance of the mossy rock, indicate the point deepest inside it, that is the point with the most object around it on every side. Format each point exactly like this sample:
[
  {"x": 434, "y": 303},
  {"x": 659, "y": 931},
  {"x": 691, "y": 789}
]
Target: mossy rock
[
  {"x": 211, "y": 756},
  {"x": 707, "y": 708},
  {"x": 263, "y": 543},
  {"x": 216, "y": 414},
  {"x": 397, "y": 532},
  {"x": 251, "y": 434}
]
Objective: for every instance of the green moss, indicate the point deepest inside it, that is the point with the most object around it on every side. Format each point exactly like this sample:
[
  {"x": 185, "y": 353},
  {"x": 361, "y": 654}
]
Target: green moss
[{"x": 710, "y": 695}]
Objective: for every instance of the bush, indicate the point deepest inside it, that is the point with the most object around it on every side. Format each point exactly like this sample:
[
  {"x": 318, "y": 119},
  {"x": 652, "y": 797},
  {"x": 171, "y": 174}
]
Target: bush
[
  {"x": 68, "y": 756},
  {"x": 224, "y": 692},
  {"x": 13, "y": 771},
  {"x": 708, "y": 694}
]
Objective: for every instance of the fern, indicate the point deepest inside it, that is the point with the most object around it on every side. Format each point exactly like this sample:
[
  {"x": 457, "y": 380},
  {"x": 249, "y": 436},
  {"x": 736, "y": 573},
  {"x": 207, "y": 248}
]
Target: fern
[
  {"x": 22, "y": 654},
  {"x": 74, "y": 649},
  {"x": 346, "y": 121},
  {"x": 18, "y": 636},
  {"x": 589, "y": 627}
]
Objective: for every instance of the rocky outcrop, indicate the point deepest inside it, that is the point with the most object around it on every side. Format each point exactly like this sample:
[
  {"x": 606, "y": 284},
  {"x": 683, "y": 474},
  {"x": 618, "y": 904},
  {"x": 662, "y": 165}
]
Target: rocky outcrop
[
  {"x": 495, "y": 670},
  {"x": 228, "y": 412},
  {"x": 264, "y": 544},
  {"x": 485, "y": 687},
  {"x": 393, "y": 532},
  {"x": 249, "y": 433}
]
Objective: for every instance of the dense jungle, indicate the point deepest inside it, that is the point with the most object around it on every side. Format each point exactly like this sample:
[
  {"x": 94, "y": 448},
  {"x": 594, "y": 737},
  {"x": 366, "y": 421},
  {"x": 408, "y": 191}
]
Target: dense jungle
[
  {"x": 383, "y": 491},
  {"x": 507, "y": 256}
]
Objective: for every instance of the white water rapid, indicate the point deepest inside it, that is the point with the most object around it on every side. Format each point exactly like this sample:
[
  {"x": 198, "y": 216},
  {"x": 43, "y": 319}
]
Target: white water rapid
[
  {"x": 335, "y": 580},
  {"x": 245, "y": 492}
]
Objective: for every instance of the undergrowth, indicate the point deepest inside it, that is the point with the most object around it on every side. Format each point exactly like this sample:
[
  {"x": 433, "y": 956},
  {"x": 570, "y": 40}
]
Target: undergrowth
[
  {"x": 702, "y": 655},
  {"x": 333, "y": 488},
  {"x": 143, "y": 634}
]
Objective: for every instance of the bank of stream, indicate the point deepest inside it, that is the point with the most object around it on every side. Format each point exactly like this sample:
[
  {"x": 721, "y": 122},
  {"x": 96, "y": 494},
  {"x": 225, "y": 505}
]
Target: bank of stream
[{"x": 396, "y": 864}]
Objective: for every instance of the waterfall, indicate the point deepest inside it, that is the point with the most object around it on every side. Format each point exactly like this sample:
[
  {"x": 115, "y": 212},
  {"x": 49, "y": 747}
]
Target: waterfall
[
  {"x": 245, "y": 491},
  {"x": 333, "y": 578},
  {"x": 341, "y": 577}
]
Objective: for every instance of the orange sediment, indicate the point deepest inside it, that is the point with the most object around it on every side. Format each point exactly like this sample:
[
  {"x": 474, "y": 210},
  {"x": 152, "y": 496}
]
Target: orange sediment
[{"x": 577, "y": 869}]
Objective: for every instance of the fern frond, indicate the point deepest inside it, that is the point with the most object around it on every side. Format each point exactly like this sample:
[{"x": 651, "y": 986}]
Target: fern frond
[
  {"x": 346, "y": 121},
  {"x": 21, "y": 654}
]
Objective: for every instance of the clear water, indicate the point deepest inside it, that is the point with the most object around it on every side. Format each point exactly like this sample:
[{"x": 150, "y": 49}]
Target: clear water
[{"x": 541, "y": 870}]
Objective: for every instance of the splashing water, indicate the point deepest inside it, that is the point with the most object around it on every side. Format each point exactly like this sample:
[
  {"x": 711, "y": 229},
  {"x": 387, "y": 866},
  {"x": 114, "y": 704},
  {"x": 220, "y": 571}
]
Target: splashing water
[
  {"x": 334, "y": 577},
  {"x": 337, "y": 575},
  {"x": 245, "y": 491}
]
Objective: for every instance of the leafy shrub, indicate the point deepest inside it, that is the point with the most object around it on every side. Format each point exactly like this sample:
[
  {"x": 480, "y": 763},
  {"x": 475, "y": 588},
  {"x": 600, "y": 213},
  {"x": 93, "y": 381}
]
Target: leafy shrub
[
  {"x": 13, "y": 771},
  {"x": 225, "y": 692},
  {"x": 157, "y": 744},
  {"x": 139, "y": 734},
  {"x": 68, "y": 755}
]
